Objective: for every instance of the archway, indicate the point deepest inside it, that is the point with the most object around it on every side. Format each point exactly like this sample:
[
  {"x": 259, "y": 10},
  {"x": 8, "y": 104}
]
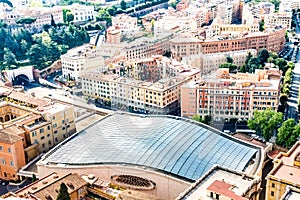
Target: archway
[
  {"x": 21, "y": 79},
  {"x": 7, "y": 118}
]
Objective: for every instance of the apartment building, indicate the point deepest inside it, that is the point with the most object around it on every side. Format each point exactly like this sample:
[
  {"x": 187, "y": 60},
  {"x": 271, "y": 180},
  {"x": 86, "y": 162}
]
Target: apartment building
[
  {"x": 278, "y": 19},
  {"x": 79, "y": 59},
  {"x": 147, "y": 46},
  {"x": 31, "y": 126},
  {"x": 12, "y": 157},
  {"x": 225, "y": 12},
  {"x": 233, "y": 29},
  {"x": 208, "y": 63},
  {"x": 223, "y": 95},
  {"x": 129, "y": 89},
  {"x": 42, "y": 15},
  {"x": 81, "y": 12},
  {"x": 288, "y": 5},
  {"x": 285, "y": 173},
  {"x": 273, "y": 40},
  {"x": 124, "y": 22}
]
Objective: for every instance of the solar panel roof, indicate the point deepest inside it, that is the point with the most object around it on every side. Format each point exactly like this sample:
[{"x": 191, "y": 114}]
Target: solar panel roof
[{"x": 170, "y": 144}]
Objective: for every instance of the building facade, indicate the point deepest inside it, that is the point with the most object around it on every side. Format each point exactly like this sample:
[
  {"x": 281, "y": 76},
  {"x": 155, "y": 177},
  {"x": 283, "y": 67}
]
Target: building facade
[
  {"x": 273, "y": 40},
  {"x": 11, "y": 152},
  {"x": 278, "y": 19},
  {"x": 285, "y": 173},
  {"x": 224, "y": 96},
  {"x": 32, "y": 126},
  {"x": 208, "y": 63},
  {"x": 77, "y": 60},
  {"x": 148, "y": 85}
]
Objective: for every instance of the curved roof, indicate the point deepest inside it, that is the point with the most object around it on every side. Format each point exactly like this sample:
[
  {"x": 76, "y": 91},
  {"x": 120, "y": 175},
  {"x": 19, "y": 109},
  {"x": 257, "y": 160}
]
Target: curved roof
[{"x": 171, "y": 144}]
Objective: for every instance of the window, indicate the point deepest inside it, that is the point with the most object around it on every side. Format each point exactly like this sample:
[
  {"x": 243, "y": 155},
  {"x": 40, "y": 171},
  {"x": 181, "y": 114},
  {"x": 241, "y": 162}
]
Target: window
[
  {"x": 273, "y": 185},
  {"x": 43, "y": 145},
  {"x": 272, "y": 193},
  {"x": 33, "y": 133},
  {"x": 63, "y": 121},
  {"x": 2, "y": 161},
  {"x": 54, "y": 125},
  {"x": 48, "y": 127},
  {"x": 1, "y": 148},
  {"x": 43, "y": 137},
  {"x": 9, "y": 150},
  {"x": 11, "y": 163},
  {"x": 42, "y": 130}
]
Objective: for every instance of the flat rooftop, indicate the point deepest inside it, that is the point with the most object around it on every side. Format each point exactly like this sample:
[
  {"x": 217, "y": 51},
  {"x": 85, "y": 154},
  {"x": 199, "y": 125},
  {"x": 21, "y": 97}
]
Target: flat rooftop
[
  {"x": 230, "y": 183},
  {"x": 172, "y": 145}
]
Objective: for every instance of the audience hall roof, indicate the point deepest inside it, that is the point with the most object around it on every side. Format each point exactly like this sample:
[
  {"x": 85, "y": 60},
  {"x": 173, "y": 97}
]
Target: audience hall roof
[{"x": 170, "y": 144}]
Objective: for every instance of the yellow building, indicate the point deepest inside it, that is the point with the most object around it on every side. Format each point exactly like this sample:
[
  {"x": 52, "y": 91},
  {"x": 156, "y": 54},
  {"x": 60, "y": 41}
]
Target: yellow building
[
  {"x": 158, "y": 93},
  {"x": 30, "y": 126},
  {"x": 286, "y": 172}
]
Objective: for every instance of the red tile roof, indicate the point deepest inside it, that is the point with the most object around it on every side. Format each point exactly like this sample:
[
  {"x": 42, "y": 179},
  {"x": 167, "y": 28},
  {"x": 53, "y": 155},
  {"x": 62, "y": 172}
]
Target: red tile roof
[{"x": 223, "y": 188}]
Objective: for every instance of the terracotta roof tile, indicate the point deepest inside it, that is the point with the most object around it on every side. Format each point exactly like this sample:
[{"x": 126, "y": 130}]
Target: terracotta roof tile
[{"x": 223, "y": 188}]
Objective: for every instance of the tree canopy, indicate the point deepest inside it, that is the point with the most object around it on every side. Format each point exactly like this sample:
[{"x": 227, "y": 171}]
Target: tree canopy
[
  {"x": 40, "y": 49},
  {"x": 63, "y": 192},
  {"x": 288, "y": 133},
  {"x": 266, "y": 122}
]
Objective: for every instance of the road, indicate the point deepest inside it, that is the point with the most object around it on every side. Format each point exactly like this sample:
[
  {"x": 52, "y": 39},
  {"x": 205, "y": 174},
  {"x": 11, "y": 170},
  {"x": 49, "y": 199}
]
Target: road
[{"x": 294, "y": 93}]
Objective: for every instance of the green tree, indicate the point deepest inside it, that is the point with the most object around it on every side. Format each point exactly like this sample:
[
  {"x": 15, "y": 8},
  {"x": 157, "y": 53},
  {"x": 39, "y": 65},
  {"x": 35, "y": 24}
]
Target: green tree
[
  {"x": 9, "y": 57},
  {"x": 287, "y": 135},
  {"x": 103, "y": 15},
  {"x": 262, "y": 25},
  {"x": 265, "y": 122},
  {"x": 34, "y": 178},
  {"x": 63, "y": 192},
  {"x": 199, "y": 118},
  {"x": 69, "y": 17},
  {"x": 229, "y": 59},
  {"x": 253, "y": 64},
  {"x": 232, "y": 67},
  {"x": 263, "y": 56},
  {"x": 123, "y": 5}
]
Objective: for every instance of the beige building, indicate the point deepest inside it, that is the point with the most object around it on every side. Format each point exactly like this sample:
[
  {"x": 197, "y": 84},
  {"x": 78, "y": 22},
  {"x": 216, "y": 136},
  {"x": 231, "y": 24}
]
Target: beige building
[
  {"x": 224, "y": 96},
  {"x": 149, "y": 85},
  {"x": 41, "y": 14},
  {"x": 45, "y": 123},
  {"x": 288, "y": 5},
  {"x": 278, "y": 19},
  {"x": 273, "y": 40},
  {"x": 233, "y": 29},
  {"x": 124, "y": 22},
  {"x": 208, "y": 63},
  {"x": 77, "y": 60},
  {"x": 285, "y": 173}
]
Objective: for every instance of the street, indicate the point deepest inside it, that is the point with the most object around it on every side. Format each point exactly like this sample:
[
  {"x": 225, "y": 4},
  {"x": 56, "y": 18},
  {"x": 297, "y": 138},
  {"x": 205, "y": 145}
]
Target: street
[{"x": 294, "y": 93}]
